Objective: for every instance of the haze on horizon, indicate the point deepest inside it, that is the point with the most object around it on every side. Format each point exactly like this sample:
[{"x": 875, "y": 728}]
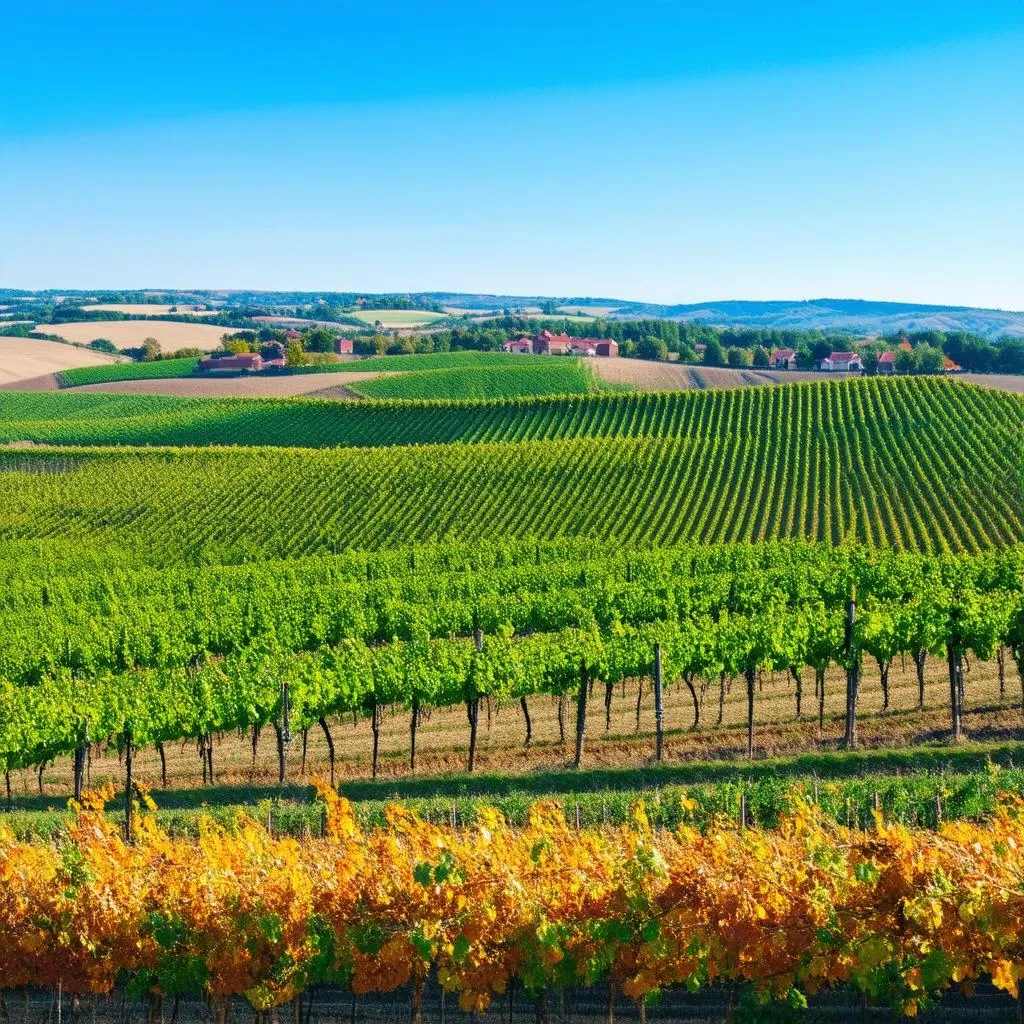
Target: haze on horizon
[{"x": 680, "y": 155}]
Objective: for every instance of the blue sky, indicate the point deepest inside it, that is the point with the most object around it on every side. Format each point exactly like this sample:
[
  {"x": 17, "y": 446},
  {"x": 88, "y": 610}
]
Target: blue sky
[{"x": 667, "y": 151}]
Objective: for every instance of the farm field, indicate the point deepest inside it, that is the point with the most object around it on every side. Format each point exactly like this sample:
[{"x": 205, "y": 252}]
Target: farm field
[
  {"x": 828, "y": 461},
  {"x": 398, "y": 317},
  {"x": 146, "y": 309},
  {"x": 505, "y": 380},
  {"x": 615, "y": 745},
  {"x": 644, "y": 375},
  {"x": 26, "y": 358},
  {"x": 254, "y": 386},
  {"x": 73, "y": 417},
  {"x": 131, "y": 333},
  {"x": 186, "y": 610}
]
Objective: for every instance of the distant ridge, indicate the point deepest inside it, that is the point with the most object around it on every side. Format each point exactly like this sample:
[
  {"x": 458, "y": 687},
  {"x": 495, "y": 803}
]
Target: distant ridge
[
  {"x": 852, "y": 316},
  {"x": 857, "y": 317}
]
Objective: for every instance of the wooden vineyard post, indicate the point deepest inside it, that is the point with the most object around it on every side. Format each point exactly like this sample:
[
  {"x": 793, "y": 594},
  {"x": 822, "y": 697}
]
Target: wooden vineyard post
[
  {"x": 413, "y": 722},
  {"x": 956, "y": 689},
  {"x": 330, "y": 744},
  {"x": 128, "y": 784},
  {"x": 750, "y": 673},
  {"x": 473, "y": 705},
  {"x": 852, "y": 674},
  {"x": 284, "y": 734},
  {"x": 581, "y": 714},
  {"x": 659, "y": 707},
  {"x": 81, "y": 753}
]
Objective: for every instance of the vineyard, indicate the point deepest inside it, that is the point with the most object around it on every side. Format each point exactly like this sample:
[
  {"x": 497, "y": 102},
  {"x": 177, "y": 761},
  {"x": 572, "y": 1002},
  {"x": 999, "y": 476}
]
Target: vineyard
[
  {"x": 525, "y": 378},
  {"x": 873, "y": 415},
  {"x": 840, "y": 471},
  {"x": 148, "y": 656},
  {"x": 129, "y": 371},
  {"x": 843, "y": 553},
  {"x": 898, "y": 915}
]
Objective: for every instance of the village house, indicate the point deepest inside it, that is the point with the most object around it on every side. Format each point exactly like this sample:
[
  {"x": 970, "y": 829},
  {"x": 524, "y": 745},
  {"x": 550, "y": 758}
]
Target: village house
[
  {"x": 887, "y": 362},
  {"x": 838, "y": 362},
  {"x": 243, "y": 362},
  {"x": 784, "y": 359},
  {"x": 548, "y": 344},
  {"x": 344, "y": 347}
]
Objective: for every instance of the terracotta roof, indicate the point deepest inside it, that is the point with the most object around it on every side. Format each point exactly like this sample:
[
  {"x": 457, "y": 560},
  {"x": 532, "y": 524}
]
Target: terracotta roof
[
  {"x": 887, "y": 357},
  {"x": 783, "y": 353},
  {"x": 842, "y": 357}
]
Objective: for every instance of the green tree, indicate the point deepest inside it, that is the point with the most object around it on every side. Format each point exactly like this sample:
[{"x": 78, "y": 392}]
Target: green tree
[
  {"x": 295, "y": 355},
  {"x": 651, "y": 348},
  {"x": 319, "y": 339},
  {"x": 714, "y": 354},
  {"x": 739, "y": 357},
  {"x": 906, "y": 362},
  {"x": 762, "y": 357},
  {"x": 103, "y": 345},
  {"x": 929, "y": 359},
  {"x": 805, "y": 358},
  {"x": 150, "y": 350}
]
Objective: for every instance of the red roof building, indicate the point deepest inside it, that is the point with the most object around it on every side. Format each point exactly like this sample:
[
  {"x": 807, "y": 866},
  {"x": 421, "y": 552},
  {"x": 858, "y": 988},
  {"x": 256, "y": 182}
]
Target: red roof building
[
  {"x": 344, "y": 346},
  {"x": 842, "y": 362},
  {"x": 548, "y": 344},
  {"x": 784, "y": 359},
  {"x": 887, "y": 362},
  {"x": 519, "y": 346}
]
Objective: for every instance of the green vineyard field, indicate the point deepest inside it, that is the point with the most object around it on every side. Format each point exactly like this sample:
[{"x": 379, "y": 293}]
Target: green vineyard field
[
  {"x": 525, "y": 378},
  {"x": 912, "y": 464},
  {"x": 963, "y": 418}
]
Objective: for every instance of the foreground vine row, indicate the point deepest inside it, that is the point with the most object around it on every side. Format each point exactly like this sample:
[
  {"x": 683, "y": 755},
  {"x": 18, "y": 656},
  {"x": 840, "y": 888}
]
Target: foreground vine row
[
  {"x": 900, "y": 915},
  {"x": 150, "y": 656}
]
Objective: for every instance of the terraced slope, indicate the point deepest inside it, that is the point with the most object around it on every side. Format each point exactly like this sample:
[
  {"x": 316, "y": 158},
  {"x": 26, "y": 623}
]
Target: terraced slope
[{"x": 910, "y": 464}]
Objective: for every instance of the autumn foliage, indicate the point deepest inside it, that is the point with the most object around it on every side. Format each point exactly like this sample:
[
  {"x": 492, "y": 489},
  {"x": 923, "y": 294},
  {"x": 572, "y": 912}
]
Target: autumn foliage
[{"x": 899, "y": 914}]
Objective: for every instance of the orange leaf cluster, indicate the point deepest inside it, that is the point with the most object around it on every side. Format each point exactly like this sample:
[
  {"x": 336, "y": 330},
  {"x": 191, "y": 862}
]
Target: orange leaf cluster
[{"x": 899, "y": 914}]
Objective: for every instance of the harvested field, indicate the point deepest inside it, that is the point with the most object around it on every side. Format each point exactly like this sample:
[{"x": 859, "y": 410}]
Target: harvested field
[
  {"x": 298, "y": 324},
  {"x": 650, "y": 376},
  {"x": 255, "y": 386},
  {"x": 1013, "y": 383},
  {"x": 147, "y": 309},
  {"x": 26, "y": 358},
  {"x": 644, "y": 375},
  {"x": 131, "y": 333},
  {"x": 398, "y": 317},
  {"x": 588, "y": 310}
]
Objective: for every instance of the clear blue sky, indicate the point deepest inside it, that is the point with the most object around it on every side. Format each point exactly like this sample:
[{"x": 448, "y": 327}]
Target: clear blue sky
[{"x": 660, "y": 150}]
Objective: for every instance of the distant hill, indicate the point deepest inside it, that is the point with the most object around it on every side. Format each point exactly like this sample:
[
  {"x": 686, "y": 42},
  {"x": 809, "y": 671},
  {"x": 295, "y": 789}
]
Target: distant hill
[
  {"x": 856, "y": 316},
  {"x": 853, "y": 316}
]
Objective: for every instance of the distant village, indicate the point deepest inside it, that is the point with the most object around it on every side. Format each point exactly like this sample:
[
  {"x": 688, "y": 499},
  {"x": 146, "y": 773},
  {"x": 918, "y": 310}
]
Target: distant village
[{"x": 546, "y": 343}]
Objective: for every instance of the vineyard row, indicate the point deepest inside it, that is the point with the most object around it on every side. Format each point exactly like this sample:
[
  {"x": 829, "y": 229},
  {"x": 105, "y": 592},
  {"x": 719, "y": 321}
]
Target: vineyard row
[{"x": 899, "y": 915}]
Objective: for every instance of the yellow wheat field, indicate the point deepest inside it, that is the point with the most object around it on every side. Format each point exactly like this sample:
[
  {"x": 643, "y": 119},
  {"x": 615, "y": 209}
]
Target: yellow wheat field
[
  {"x": 131, "y": 333},
  {"x": 25, "y": 358}
]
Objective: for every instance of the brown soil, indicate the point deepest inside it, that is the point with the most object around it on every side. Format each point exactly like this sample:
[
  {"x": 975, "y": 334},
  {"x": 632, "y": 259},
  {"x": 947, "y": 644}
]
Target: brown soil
[{"x": 255, "y": 386}]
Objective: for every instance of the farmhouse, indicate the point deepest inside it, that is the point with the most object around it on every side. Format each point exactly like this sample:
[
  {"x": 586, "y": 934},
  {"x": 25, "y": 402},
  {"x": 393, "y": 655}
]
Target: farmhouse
[
  {"x": 518, "y": 346},
  {"x": 244, "y": 362},
  {"x": 887, "y": 362},
  {"x": 842, "y": 361},
  {"x": 548, "y": 344},
  {"x": 784, "y": 359},
  {"x": 344, "y": 347}
]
